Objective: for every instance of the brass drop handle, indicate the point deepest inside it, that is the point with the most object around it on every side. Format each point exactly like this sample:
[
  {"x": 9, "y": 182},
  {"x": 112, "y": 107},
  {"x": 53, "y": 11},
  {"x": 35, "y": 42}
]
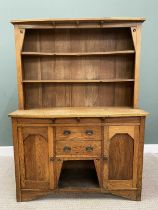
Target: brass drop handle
[
  {"x": 67, "y": 149},
  {"x": 67, "y": 132},
  {"x": 89, "y": 132},
  {"x": 89, "y": 149}
]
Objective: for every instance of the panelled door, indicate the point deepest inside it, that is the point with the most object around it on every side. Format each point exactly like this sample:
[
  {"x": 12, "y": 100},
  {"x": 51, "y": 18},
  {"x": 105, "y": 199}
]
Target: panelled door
[
  {"x": 120, "y": 156},
  {"x": 36, "y": 151}
]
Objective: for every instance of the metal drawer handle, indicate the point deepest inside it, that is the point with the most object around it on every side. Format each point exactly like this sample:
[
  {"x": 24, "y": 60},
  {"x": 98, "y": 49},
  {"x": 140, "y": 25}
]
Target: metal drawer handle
[
  {"x": 89, "y": 149},
  {"x": 67, "y": 132},
  {"x": 67, "y": 149},
  {"x": 89, "y": 132}
]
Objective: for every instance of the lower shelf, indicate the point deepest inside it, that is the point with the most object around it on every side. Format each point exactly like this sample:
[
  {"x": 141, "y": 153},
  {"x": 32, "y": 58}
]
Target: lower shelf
[{"x": 79, "y": 177}]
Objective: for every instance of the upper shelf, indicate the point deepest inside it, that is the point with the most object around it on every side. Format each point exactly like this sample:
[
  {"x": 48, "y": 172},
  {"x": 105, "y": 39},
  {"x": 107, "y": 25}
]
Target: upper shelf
[
  {"x": 78, "y": 81},
  {"x": 79, "y": 54}
]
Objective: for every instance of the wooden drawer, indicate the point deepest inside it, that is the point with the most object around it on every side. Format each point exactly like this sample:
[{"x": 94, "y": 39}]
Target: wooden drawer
[
  {"x": 77, "y": 120},
  {"x": 80, "y": 148},
  {"x": 78, "y": 133},
  {"x": 34, "y": 121}
]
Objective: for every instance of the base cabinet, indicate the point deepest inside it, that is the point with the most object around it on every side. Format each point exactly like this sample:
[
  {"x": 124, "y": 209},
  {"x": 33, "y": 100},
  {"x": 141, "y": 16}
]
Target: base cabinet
[{"x": 86, "y": 156}]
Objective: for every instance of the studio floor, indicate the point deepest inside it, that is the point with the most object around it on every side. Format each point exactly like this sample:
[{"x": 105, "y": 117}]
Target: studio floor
[{"x": 81, "y": 201}]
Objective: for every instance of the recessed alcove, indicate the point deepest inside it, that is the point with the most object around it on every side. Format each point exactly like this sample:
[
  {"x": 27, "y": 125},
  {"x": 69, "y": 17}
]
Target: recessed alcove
[{"x": 78, "y": 174}]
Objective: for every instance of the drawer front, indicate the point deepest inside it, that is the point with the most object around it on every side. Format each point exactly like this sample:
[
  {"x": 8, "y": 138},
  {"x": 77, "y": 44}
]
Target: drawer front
[
  {"x": 78, "y": 120},
  {"x": 34, "y": 121},
  {"x": 81, "y": 148},
  {"x": 78, "y": 133}
]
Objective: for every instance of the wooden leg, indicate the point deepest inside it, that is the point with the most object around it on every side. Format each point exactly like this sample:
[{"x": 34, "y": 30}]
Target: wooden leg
[
  {"x": 134, "y": 195},
  {"x": 29, "y": 195},
  {"x": 138, "y": 196},
  {"x": 18, "y": 195}
]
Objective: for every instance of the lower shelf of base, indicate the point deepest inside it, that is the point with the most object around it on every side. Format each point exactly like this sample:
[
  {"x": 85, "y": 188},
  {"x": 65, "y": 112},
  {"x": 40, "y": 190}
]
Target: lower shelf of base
[
  {"x": 75, "y": 178},
  {"x": 28, "y": 194}
]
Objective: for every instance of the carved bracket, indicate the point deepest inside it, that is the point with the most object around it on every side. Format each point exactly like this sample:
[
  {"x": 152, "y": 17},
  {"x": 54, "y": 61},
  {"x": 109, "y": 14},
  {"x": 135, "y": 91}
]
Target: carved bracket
[{"x": 134, "y": 36}]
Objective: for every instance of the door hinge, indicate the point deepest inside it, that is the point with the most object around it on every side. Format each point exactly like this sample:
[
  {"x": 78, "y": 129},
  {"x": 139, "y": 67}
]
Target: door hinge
[
  {"x": 52, "y": 158},
  {"x": 105, "y": 158}
]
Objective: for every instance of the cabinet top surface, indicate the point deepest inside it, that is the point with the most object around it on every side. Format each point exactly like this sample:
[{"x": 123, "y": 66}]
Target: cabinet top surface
[
  {"x": 107, "y": 19},
  {"x": 67, "y": 112}
]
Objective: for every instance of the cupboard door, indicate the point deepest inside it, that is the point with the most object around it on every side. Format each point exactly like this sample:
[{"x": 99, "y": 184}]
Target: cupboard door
[
  {"x": 120, "y": 157},
  {"x": 36, "y": 148}
]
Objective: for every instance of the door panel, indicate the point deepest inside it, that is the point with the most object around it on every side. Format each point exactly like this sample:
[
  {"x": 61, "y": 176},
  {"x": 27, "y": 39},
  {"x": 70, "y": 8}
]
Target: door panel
[
  {"x": 120, "y": 156},
  {"x": 36, "y": 158},
  {"x": 121, "y": 152},
  {"x": 35, "y": 165}
]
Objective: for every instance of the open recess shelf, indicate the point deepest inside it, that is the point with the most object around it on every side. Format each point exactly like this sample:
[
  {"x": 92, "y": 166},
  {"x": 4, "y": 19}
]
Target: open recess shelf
[{"x": 78, "y": 174}]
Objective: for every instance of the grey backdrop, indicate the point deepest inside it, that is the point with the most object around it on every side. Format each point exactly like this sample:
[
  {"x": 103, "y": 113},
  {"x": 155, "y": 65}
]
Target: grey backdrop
[{"x": 17, "y": 9}]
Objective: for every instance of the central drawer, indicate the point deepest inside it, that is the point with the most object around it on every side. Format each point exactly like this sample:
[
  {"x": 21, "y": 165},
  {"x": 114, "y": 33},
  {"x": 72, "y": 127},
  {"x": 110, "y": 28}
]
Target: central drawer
[
  {"x": 80, "y": 148},
  {"x": 78, "y": 133}
]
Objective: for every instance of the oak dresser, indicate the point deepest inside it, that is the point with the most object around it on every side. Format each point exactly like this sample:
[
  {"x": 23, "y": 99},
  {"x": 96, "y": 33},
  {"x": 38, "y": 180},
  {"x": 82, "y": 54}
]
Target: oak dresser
[{"x": 78, "y": 127}]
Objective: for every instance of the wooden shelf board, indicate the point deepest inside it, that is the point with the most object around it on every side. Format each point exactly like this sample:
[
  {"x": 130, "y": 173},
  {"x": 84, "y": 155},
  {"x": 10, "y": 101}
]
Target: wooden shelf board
[
  {"x": 79, "y": 53},
  {"x": 78, "y": 81},
  {"x": 68, "y": 112}
]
